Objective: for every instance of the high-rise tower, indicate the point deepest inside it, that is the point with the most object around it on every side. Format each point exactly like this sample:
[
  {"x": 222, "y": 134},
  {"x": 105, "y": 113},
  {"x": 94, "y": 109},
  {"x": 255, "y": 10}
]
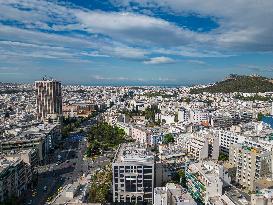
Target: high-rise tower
[{"x": 48, "y": 100}]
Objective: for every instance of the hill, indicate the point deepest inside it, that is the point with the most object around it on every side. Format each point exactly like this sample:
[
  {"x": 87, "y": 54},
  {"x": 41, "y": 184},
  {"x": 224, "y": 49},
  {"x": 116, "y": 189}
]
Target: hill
[{"x": 238, "y": 83}]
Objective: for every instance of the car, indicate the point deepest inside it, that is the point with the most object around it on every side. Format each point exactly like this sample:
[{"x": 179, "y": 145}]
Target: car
[{"x": 34, "y": 194}]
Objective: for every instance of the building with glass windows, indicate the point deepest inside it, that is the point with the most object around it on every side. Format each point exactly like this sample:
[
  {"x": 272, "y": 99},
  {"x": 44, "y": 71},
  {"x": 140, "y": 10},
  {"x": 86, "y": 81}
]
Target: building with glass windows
[
  {"x": 133, "y": 174},
  {"x": 205, "y": 180},
  {"x": 48, "y": 100}
]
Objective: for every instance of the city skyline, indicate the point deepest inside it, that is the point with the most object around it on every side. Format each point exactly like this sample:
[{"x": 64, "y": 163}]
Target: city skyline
[{"x": 133, "y": 42}]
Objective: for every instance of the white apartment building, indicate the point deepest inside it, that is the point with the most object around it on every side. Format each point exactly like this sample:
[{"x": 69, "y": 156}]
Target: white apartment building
[
  {"x": 197, "y": 116},
  {"x": 172, "y": 194},
  {"x": 252, "y": 164},
  {"x": 41, "y": 137},
  {"x": 167, "y": 118},
  {"x": 198, "y": 147},
  {"x": 133, "y": 174},
  {"x": 205, "y": 180},
  {"x": 227, "y": 138},
  {"x": 203, "y": 145},
  {"x": 183, "y": 115}
]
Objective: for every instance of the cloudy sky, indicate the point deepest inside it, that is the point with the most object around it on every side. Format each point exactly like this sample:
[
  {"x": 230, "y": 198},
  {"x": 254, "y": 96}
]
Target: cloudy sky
[{"x": 135, "y": 41}]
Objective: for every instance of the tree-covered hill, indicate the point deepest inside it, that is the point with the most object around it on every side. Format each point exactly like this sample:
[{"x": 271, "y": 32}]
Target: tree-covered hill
[{"x": 238, "y": 83}]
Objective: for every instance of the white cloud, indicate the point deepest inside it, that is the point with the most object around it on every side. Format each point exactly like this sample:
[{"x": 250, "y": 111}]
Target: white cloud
[
  {"x": 71, "y": 45},
  {"x": 197, "y": 62},
  {"x": 243, "y": 26},
  {"x": 94, "y": 54},
  {"x": 121, "y": 78},
  {"x": 138, "y": 29},
  {"x": 131, "y": 35},
  {"x": 159, "y": 60},
  {"x": 164, "y": 79},
  {"x": 104, "y": 78}
]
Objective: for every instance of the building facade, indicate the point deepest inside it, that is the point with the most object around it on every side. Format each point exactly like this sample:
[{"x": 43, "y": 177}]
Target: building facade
[
  {"x": 48, "y": 100},
  {"x": 172, "y": 194},
  {"x": 15, "y": 176},
  {"x": 227, "y": 138},
  {"x": 205, "y": 180},
  {"x": 133, "y": 174},
  {"x": 252, "y": 164}
]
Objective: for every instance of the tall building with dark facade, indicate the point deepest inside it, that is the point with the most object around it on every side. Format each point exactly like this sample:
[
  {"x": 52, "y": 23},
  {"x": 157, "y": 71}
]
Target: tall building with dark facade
[{"x": 48, "y": 100}]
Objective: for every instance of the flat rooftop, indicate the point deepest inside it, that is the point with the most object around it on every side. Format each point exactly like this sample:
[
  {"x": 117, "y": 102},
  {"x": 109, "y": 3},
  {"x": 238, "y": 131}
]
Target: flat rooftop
[
  {"x": 31, "y": 133},
  {"x": 5, "y": 163},
  {"x": 207, "y": 169},
  {"x": 133, "y": 152}
]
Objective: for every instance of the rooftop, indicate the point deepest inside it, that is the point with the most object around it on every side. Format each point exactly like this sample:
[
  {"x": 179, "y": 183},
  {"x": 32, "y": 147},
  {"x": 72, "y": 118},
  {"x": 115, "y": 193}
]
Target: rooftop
[
  {"x": 133, "y": 152},
  {"x": 208, "y": 169}
]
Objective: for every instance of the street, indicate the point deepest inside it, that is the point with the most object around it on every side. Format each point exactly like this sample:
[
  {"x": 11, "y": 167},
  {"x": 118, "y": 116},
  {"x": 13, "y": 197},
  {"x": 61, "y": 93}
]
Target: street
[{"x": 65, "y": 166}]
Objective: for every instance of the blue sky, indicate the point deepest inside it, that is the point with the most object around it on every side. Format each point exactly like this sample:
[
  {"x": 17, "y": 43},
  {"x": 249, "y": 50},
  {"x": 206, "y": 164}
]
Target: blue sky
[{"x": 135, "y": 41}]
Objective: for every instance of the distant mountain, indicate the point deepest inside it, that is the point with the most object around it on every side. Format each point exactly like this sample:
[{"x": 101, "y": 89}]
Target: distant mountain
[{"x": 239, "y": 83}]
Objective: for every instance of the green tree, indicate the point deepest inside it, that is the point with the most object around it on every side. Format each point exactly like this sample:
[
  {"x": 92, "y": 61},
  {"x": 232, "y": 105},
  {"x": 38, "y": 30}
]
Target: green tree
[
  {"x": 223, "y": 157},
  {"x": 176, "y": 117},
  {"x": 260, "y": 116},
  {"x": 168, "y": 138},
  {"x": 102, "y": 137}
]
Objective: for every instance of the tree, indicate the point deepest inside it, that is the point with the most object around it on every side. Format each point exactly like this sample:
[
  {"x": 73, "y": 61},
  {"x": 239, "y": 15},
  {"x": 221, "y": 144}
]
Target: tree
[
  {"x": 223, "y": 157},
  {"x": 182, "y": 176},
  {"x": 168, "y": 138},
  {"x": 176, "y": 117},
  {"x": 260, "y": 116},
  {"x": 150, "y": 113},
  {"x": 188, "y": 100},
  {"x": 102, "y": 137}
]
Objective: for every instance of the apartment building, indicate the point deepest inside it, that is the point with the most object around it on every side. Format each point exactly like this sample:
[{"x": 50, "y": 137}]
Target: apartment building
[
  {"x": 141, "y": 134},
  {"x": 262, "y": 197},
  {"x": 172, "y": 194},
  {"x": 15, "y": 175},
  {"x": 167, "y": 118},
  {"x": 205, "y": 180},
  {"x": 183, "y": 115},
  {"x": 240, "y": 117},
  {"x": 198, "y": 116},
  {"x": 133, "y": 174},
  {"x": 221, "y": 121},
  {"x": 203, "y": 145},
  {"x": 42, "y": 138},
  {"x": 227, "y": 138},
  {"x": 252, "y": 164},
  {"x": 198, "y": 147},
  {"x": 48, "y": 99}
]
